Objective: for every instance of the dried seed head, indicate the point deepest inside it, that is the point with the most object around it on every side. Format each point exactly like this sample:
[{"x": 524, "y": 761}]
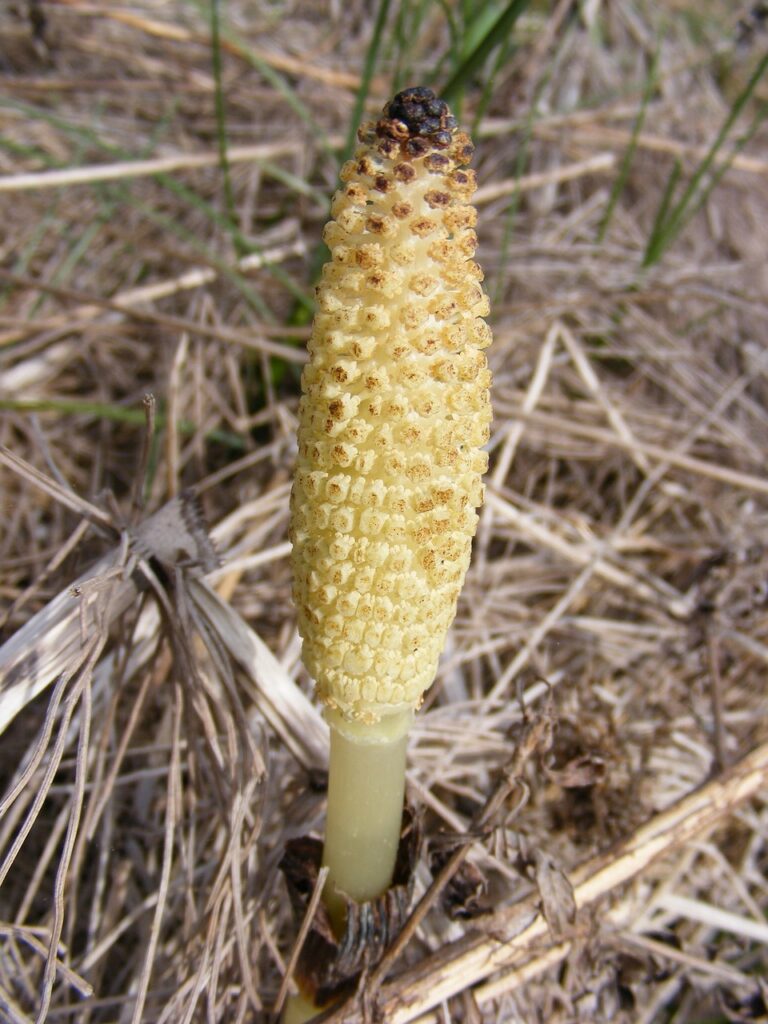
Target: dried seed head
[{"x": 394, "y": 412}]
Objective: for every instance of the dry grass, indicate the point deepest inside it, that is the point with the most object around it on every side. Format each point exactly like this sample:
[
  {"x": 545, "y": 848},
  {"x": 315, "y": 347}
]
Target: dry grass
[{"x": 611, "y": 649}]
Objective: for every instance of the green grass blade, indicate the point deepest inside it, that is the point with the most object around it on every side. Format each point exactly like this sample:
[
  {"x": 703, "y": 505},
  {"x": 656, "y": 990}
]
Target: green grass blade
[
  {"x": 621, "y": 178},
  {"x": 696, "y": 191},
  {"x": 245, "y": 245},
  {"x": 722, "y": 169},
  {"x": 654, "y": 247},
  {"x": 369, "y": 66},
  {"x": 404, "y": 42},
  {"x": 221, "y": 123},
  {"x": 296, "y": 184},
  {"x": 223, "y": 266},
  {"x": 113, "y": 413},
  {"x": 521, "y": 158},
  {"x": 49, "y": 223},
  {"x": 450, "y": 56},
  {"x": 281, "y": 86},
  {"x": 507, "y": 48},
  {"x": 303, "y": 315},
  {"x": 494, "y": 36},
  {"x": 192, "y": 199}
]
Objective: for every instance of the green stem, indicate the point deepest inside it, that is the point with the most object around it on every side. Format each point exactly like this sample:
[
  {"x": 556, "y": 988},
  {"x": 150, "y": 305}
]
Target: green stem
[
  {"x": 299, "y": 1009},
  {"x": 366, "y": 786}
]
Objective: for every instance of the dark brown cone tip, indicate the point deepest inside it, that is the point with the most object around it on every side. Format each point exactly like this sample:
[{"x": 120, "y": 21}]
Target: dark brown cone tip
[{"x": 419, "y": 120}]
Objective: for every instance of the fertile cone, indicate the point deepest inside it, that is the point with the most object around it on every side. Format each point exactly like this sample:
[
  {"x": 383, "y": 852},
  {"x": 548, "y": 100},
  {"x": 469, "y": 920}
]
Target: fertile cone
[{"x": 394, "y": 411}]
